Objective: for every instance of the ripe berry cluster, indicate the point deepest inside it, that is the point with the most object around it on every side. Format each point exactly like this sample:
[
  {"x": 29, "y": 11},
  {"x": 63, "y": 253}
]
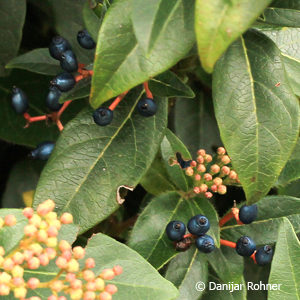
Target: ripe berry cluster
[
  {"x": 38, "y": 248},
  {"x": 198, "y": 227}
]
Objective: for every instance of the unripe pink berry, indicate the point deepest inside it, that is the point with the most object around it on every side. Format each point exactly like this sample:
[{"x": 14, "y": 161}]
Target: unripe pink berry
[
  {"x": 91, "y": 285},
  {"x": 64, "y": 245},
  {"x": 196, "y": 190},
  {"x": 33, "y": 283},
  {"x": 203, "y": 188},
  {"x": 44, "y": 259},
  {"x": 111, "y": 288},
  {"x": 8, "y": 264},
  {"x": 76, "y": 284},
  {"x": 2, "y": 251},
  {"x": 208, "y": 195},
  {"x": 35, "y": 220},
  {"x": 5, "y": 278},
  {"x": 221, "y": 151},
  {"x": 70, "y": 277},
  {"x": 214, "y": 169},
  {"x": 189, "y": 171},
  {"x": 18, "y": 258},
  {"x": 36, "y": 248},
  {"x": 61, "y": 262},
  {"x": 225, "y": 159},
  {"x": 201, "y": 168},
  {"x": 67, "y": 254},
  {"x": 107, "y": 274},
  {"x": 218, "y": 181},
  {"x": 200, "y": 159},
  {"x": 88, "y": 275},
  {"x": 56, "y": 286},
  {"x": 52, "y": 231},
  {"x": 33, "y": 263},
  {"x": 100, "y": 284},
  {"x": 78, "y": 252},
  {"x": 222, "y": 189},
  {"x": 35, "y": 298},
  {"x": 62, "y": 298},
  {"x": 28, "y": 254},
  {"x": 197, "y": 177},
  {"x": 51, "y": 253},
  {"x": 208, "y": 158},
  {"x": 201, "y": 152},
  {"x": 214, "y": 188},
  {"x": 52, "y": 215},
  {"x": 51, "y": 242},
  {"x": 17, "y": 271},
  {"x": 20, "y": 292},
  {"x": 4, "y": 289},
  {"x": 42, "y": 236},
  {"x": 207, "y": 177},
  {"x": 193, "y": 164},
  {"x": 28, "y": 212},
  {"x": 118, "y": 270},
  {"x": 73, "y": 266},
  {"x": 30, "y": 230},
  {"x": 66, "y": 218},
  {"x": 105, "y": 296},
  {"x": 90, "y": 263},
  {"x": 45, "y": 207},
  {"x": 89, "y": 295},
  {"x": 55, "y": 223},
  {"x": 52, "y": 297},
  {"x": 18, "y": 281},
  {"x": 10, "y": 220},
  {"x": 233, "y": 175},
  {"x": 225, "y": 170},
  {"x": 76, "y": 294}
]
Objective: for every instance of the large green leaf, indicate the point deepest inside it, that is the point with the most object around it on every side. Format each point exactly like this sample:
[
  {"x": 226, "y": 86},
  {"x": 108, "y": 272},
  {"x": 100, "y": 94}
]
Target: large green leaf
[
  {"x": 258, "y": 118},
  {"x": 91, "y": 20},
  {"x": 139, "y": 279},
  {"x": 12, "y": 17},
  {"x": 37, "y": 61},
  {"x": 199, "y": 129},
  {"x": 220, "y": 22},
  {"x": 148, "y": 235},
  {"x": 285, "y": 268},
  {"x": 265, "y": 228},
  {"x": 292, "y": 189},
  {"x": 169, "y": 146},
  {"x": 121, "y": 63},
  {"x": 90, "y": 163},
  {"x": 185, "y": 270}
]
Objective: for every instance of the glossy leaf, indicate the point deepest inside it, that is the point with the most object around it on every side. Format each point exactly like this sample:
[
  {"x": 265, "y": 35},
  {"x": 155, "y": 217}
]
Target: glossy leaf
[
  {"x": 139, "y": 279},
  {"x": 258, "y": 118},
  {"x": 37, "y": 61},
  {"x": 11, "y": 25},
  {"x": 90, "y": 163},
  {"x": 195, "y": 123},
  {"x": 148, "y": 235},
  {"x": 169, "y": 85},
  {"x": 121, "y": 63},
  {"x": 218, "y": 23},
  {"x": 185, "y": 270},
  {"x": 169, "y": 147},
  {"x": 286, "y": 264}
]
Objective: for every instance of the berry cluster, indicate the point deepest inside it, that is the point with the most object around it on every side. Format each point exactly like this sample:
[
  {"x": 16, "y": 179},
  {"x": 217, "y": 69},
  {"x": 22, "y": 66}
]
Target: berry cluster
[
  {"x": 198, "y": 227},
  {"x": 38, "y": 248},
  {"x": 210, "y": 174}
]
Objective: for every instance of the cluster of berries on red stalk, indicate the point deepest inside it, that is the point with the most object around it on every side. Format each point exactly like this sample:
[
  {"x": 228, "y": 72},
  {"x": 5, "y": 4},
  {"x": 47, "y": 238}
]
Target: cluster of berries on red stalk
[{"x": 39, "y": 247}]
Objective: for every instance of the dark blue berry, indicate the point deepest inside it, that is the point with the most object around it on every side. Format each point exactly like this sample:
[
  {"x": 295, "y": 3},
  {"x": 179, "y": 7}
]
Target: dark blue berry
[
  {"x": 205, "y": 243},
  {"x": 68, "y": 61},
  {"x": 245, "y": 246},
  {"x": 64, "y": 81},
  {"x": 52, "y": 99},
  {"x": 175, "y": 230},
  {"x": 248, "y": 213},
  {"x": 103, "y": 116},
  {"x": 58, "y": 46},
  {"x": 183, "y": 163},
  {"x": 19, "y": 101},
  {"x": 198, "y": 225},
  {"x": 147, "y": 107},
  {"x": 263, "y": 255},
  {"x": 42, "y": 151},
  {"x": 85, "y": 40}
]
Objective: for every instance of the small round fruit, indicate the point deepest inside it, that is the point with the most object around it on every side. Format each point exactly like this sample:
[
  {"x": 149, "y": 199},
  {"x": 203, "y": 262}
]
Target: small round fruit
[
  {"x": 19, "y": 100},
  {"x": 205, "y": 243},
  {"x": 64, "y": 81},
  {"x": 147, "y": 107},
  {"x": 175, "y": 230},
  {"x": 103, "y": 116},
  {"x": 245, "y": 246},
  {"x": 68, "y": 61},
  {"x": 85, "y": 40},
  {"x": 52, "y": 99},
  {"x": 42, "y": 151},
  {"x": 198, "y": 225},
  {"x": 263, "y": 255},
  {"x": 248, "y": 213},
  {"x": 57, "y": 46}
]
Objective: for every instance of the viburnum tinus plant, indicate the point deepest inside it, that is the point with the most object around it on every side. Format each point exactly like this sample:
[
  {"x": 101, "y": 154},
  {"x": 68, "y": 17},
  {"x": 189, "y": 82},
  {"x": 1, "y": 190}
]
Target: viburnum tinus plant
[{"x": 165, "y": 133}]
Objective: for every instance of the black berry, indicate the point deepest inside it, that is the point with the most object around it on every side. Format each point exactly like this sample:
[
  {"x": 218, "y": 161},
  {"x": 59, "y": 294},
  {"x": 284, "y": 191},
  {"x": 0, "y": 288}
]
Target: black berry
[
  {"x": 19, "y": 100},
  {"x": 205, "y": 243},
  {"x": 264, "y": 255},
  {"x": 58, "y": 46},
  {"x": 147, "y": 107},
  {"x": 85, "y": 40},
  {"x": 52, "y": 99},
  {"x": 64, "y": 81},
  {"x": 175, "y": 230},
  {"x": 42, "y": 151},
  {"x": 103, "y": 116},
  {"x": 198, "y": 225},
  {"x": 245, "y": 246},
  {"x": 248, "y": 213},
  {"x": 68, "y": 61}
]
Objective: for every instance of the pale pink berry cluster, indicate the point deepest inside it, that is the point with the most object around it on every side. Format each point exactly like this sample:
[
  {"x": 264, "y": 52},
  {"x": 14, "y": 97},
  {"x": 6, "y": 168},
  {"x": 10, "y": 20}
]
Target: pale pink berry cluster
[
  {"x": 40, "y": 246},
  {"x": 211, "y": 175}
]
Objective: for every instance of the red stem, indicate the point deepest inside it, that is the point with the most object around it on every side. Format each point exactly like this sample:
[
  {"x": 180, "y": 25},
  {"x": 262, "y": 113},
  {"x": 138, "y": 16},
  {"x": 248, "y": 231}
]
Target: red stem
[
  {"x": 226, "y": 218},
  {"x": 63, "y": 108},
  {"x": 253, "y": 257},
  {"x": 59, "y": 125},
  {"x": 147, "y": 90},
  {"x": 227, "y": 243},
  {"x": 188, "y": 235},
  {"x": 117, "y": 101}
]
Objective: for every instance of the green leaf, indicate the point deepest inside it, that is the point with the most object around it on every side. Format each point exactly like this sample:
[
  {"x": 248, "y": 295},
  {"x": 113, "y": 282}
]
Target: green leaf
[
  {"x": 185, "y": 270},
  {"x": 23, "y": 177},
  {"x": 37, "y": 61},
  {"x": 169, "y": 146},
  {"x": 169, "y": 85},
  {"x": 90, "y": 163},
  {"x": 156, "y": 180},
  {"x": 292, "y": 189},
  {"x": 291, "y": 171},
  {"x": 265, "y": 228},
  {"x": 285, "y": 268},
  {"x": 11, "y": 25},
  {"x": 139, "y": 279},
  {"x": 292, "y": 68},
  {"x": 199, "y": 129},
  {"x": 258, "y": 119},
  {"x": 91, "y": 20},
  {"x": 121, "y": 63},
  {"x": 148, "y": 235},
  {"x": 220, "y": 22}
]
